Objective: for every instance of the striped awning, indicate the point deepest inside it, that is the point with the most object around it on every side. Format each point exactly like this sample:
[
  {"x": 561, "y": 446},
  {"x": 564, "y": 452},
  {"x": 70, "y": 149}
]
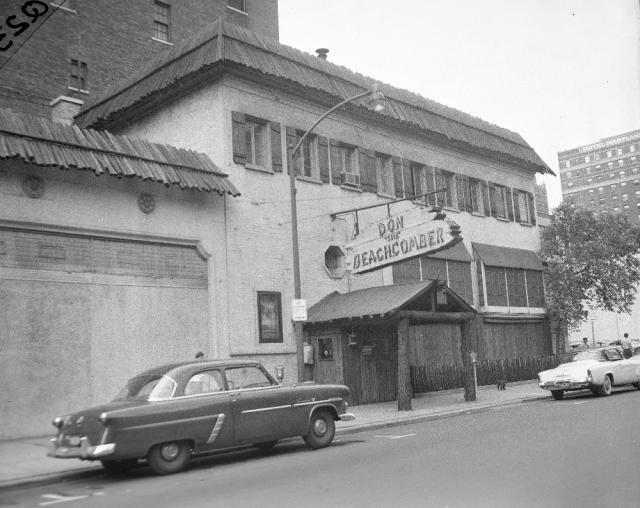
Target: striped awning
[{"x": 42, "y": 142}]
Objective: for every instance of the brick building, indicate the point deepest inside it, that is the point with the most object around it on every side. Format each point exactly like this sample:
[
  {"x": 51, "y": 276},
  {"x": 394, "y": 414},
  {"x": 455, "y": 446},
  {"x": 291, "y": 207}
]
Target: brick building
[
  {"x": 79, "y": 48},
  {"x": 604, "y": 176},
  {"x": 240, "y": 100}
]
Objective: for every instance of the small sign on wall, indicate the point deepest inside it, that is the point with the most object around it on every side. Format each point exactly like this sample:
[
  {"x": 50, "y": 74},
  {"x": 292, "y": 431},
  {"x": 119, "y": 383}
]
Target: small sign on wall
[{"x": 299, "y": 309}]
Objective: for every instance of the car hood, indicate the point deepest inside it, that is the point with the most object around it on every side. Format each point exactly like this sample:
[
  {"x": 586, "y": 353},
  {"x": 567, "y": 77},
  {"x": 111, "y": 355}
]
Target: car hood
[{"x": 568, "y": 370}]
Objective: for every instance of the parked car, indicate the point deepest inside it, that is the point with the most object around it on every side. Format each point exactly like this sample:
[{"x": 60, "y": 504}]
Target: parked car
[
  {"x": 597, "y": 369},
  {"x": 169, "y": 413}
]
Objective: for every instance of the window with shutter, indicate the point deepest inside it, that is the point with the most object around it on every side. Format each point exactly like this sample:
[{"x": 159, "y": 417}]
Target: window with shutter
[
  {"x": 498, "y": 200},
  {"x": 368, "y": 171},
  {"x": 444, "y": 182},
  {"x": 384, "y": 169}
]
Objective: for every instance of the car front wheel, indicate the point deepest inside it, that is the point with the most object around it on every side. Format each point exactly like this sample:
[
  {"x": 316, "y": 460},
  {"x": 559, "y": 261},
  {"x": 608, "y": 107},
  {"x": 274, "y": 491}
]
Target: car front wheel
[
  {"x": 605, "y": 389},
  {"x": 557, "y": 394},
  {"x": 322, "y": 428},
  {"x": 168, "y": 458}
]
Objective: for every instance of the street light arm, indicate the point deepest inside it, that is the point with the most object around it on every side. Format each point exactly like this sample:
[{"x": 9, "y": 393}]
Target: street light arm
[{"x": 325, "y": 115}]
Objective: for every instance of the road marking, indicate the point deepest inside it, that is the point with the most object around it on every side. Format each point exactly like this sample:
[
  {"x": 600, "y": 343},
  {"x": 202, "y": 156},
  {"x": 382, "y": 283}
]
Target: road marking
[
  {"x": 57, "y": 498},
  {"x": 397, "y": 437},
  {"x": 579, "y": 402}
]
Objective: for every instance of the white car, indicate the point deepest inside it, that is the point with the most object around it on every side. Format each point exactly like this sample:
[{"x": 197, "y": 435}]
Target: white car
[{"x": 597, "y": 369}]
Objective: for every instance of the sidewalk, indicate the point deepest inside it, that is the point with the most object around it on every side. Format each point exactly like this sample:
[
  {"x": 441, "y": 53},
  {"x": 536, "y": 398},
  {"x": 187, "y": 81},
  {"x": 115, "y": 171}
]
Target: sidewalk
[{"x": 25, "y": 462}]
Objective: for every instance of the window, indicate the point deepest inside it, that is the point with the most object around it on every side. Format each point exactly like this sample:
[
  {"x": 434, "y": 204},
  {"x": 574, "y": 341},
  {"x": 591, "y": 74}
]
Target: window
[
  {"x": 78, "y": 75},
  {"x": 325, "y": 348},
  {"x": 241, "y": 378},
  {"x": 238, "y": 5},
  {"x": 162, "y": 21},
  {"x": 307, "y": 157},
  {"x": 269, "y": 317},
  {"x": 384, "y": 171},
  {"x": 523, "y": 203},
  {"x": 469, "y": 193},
  {"x": 343, "y": 163},
  {"x": 204, "y": 382},
  {"x": 535, "y": 288},
  {"x": 255, "y": 142},
  {"x": 334, "y": 261},
  {"x": 498, "y": 200},
  {"x": 516, "y": 287},
  {"x": 625, "y": 197},
  {"x": 496, "y": 286},
  {"x": 444, "y": 182}
]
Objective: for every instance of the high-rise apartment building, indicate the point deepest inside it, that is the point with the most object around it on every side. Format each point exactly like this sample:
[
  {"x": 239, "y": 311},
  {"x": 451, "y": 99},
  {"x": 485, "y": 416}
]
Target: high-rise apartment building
[
  {"x": 79, "y": 48},
  {"x": 604, "y": 176}
]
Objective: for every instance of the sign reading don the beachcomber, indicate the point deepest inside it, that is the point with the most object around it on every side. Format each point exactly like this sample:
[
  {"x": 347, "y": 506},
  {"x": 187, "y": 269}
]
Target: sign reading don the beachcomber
[{"x": 401, "y": 237}]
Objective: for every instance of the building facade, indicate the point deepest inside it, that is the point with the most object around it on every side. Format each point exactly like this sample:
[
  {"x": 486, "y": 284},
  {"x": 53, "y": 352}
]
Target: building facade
[
  {"x": 243, "y": 101},
  {"x": 604, "y": 176},
  {"x": 79, "y": 48}
]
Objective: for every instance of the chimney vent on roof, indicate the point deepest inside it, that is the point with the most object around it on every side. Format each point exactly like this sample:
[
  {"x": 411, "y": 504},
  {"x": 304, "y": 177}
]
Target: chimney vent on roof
[
  {"x": 64, "y": 108},
  {"x": 322, "y": 53}
]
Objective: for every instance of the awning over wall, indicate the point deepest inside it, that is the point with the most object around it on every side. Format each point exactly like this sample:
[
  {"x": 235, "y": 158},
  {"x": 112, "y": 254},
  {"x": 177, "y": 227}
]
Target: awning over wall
[
  {"x": 42, "y": 142},
  {"x": 456, "y": 253},
  {"x": 493, "y": 255},
  {"x": 382, "y": 301}
]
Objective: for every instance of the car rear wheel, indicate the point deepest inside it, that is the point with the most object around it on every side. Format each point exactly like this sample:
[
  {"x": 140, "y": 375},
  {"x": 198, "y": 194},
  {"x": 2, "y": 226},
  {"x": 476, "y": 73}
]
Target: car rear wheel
[
  {"x": 168, "y": 458},
  {"x": 118, "y": 467},
  {"x": 322, "y": 428},
  {"x": 557, "y": 394},
  {"x": 605, "y": 389}
]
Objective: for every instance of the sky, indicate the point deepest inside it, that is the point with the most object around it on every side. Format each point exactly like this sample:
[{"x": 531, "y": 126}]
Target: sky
[{"x": 561, "y": 73}]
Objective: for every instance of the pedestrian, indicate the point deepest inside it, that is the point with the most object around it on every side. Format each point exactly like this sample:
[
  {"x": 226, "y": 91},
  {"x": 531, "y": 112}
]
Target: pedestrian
[
  {"x": 199, "y": 355},
  {"x": 585, "y": 343},
  {"x": 627, "y": 350}
]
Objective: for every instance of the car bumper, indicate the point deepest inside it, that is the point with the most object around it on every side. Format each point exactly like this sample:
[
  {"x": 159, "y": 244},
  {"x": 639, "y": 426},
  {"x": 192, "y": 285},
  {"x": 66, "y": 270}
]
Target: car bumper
[
  {"x": 84, "y": 451},
  {"x": 347, "y": 417},
  {"x": 564, "y": 385}
]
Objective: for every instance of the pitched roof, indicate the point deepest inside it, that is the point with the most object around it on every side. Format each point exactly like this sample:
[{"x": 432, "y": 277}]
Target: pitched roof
[
  {"x": 40, "y": 141},
  {"x": 375, "y": 301},
  {"x": 225, "y": 43},
  {"x": 493, "y": 255}
]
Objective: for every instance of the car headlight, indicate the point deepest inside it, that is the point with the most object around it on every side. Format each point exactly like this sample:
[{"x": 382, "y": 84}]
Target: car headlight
[
  {"x": 58, "y": 421},
  {"x": 103, "y": 418}
]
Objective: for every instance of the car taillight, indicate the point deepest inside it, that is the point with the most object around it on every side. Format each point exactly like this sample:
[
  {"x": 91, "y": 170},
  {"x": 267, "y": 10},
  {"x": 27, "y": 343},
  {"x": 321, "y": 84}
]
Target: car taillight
[{"x": 58, "y": 422}]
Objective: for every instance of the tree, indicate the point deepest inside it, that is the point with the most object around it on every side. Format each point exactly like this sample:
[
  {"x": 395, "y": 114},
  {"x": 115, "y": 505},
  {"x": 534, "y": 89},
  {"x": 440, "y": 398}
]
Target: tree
[{"x": 591, "y": 262}]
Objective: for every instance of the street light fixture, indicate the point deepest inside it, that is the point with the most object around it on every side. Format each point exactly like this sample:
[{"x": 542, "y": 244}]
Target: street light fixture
[{"x": 377, "y": 101}]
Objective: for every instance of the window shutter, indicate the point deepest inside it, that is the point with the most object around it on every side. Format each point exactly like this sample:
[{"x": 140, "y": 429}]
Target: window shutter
[
  {"x": 461, "y": 193},
  {"x": 409, "y": 190},
  {"x": 532, "y": 208},
  {"x": 276, "y": 147},
  {"x": 336, "y": 161},
  {"x": 238, "y": 136},
  {"x": 517, "y": 196},
  {"x": 292, "y": 141},
  {"x": 509, "y": 192},
  {"x": 323, "y": 159},
  {"x": 397, "y": 176},
  {"x": 430, "y": 186},
  {"x": 368, "y": 180},
  {"x": 486, "y": 203}
]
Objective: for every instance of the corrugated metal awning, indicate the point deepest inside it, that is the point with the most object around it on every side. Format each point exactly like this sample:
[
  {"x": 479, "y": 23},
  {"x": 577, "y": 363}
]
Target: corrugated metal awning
[
  {"x": 227, "y": 43},
  {"x": 493, "y": 255},
  {"x": 456, "y": 253},
  {"x": 376, "y": 301},
  {"x": 39, "y": 141}
]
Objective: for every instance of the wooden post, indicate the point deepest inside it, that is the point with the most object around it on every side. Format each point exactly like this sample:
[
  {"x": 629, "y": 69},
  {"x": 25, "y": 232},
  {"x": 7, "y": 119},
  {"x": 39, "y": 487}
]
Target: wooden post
[
  {"x": 404, "y": 375},
  {"x": 465, "y": 349}
]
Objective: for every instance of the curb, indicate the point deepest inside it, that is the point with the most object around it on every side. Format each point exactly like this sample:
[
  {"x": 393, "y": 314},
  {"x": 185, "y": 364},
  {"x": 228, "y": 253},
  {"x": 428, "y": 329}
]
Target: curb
[{"x": 87, "y": 472}]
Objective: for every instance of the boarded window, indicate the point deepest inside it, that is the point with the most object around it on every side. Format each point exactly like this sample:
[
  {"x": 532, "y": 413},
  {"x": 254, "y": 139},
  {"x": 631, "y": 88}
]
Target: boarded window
[{"x": 269, "y": 316}]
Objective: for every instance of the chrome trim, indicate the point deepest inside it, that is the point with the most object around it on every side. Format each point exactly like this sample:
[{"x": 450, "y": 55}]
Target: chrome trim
[
  {"x": 189, "y": 419},
  {"x": 347, "y": 417},
  {"x": 314, "y": 402},
  {"x": 216, "y": 429},
  {"x": 260, "y": 410}
]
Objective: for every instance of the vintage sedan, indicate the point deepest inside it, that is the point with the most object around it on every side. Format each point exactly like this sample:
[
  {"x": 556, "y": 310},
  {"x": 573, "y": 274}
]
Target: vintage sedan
[
  {"x": 597, "y": 369},
  {"x": 169, "y": 413}
]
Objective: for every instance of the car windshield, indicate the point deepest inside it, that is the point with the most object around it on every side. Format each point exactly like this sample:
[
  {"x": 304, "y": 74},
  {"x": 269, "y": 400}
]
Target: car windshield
[
  {"x": 151, "y": 387},
  {"x": 590, "y": 354}
]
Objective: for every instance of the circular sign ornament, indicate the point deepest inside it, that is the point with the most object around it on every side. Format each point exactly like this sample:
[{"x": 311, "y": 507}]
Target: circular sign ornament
[
  {"x": 146, "y": 202},
  {"x": 33, "y": 186}
]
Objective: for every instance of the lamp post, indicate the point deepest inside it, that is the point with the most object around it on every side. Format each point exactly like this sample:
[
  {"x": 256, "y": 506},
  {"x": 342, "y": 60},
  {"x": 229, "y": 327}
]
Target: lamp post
[{"x": 377, "y": 101}]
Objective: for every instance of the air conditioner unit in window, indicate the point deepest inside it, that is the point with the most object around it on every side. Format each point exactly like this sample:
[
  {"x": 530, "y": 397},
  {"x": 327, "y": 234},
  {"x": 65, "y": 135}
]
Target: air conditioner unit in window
[{"x": 350, "y": 179}]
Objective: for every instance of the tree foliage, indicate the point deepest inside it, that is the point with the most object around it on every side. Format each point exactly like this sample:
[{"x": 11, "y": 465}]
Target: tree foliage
[{"x": 591, "y": 261}]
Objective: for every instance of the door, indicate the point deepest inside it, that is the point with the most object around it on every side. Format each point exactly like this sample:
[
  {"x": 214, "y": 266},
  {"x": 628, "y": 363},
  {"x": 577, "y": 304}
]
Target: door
[
  {"x": 328, "y": 359},
  {"x": 262, "y": 409}
]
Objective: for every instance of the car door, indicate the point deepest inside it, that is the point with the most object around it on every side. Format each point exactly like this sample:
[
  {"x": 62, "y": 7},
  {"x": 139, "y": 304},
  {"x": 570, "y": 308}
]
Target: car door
[
  {"x": 620, "y": 368},
  {"x": 261, "y": 408}
]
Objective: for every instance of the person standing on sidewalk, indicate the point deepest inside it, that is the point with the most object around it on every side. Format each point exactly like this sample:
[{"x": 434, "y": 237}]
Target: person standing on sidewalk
[{"x": 627, "y": 350}]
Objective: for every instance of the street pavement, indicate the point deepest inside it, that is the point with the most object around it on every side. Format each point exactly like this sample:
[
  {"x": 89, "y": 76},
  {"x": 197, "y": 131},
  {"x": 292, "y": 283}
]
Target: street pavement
[{"x": 24, "y": 462}]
